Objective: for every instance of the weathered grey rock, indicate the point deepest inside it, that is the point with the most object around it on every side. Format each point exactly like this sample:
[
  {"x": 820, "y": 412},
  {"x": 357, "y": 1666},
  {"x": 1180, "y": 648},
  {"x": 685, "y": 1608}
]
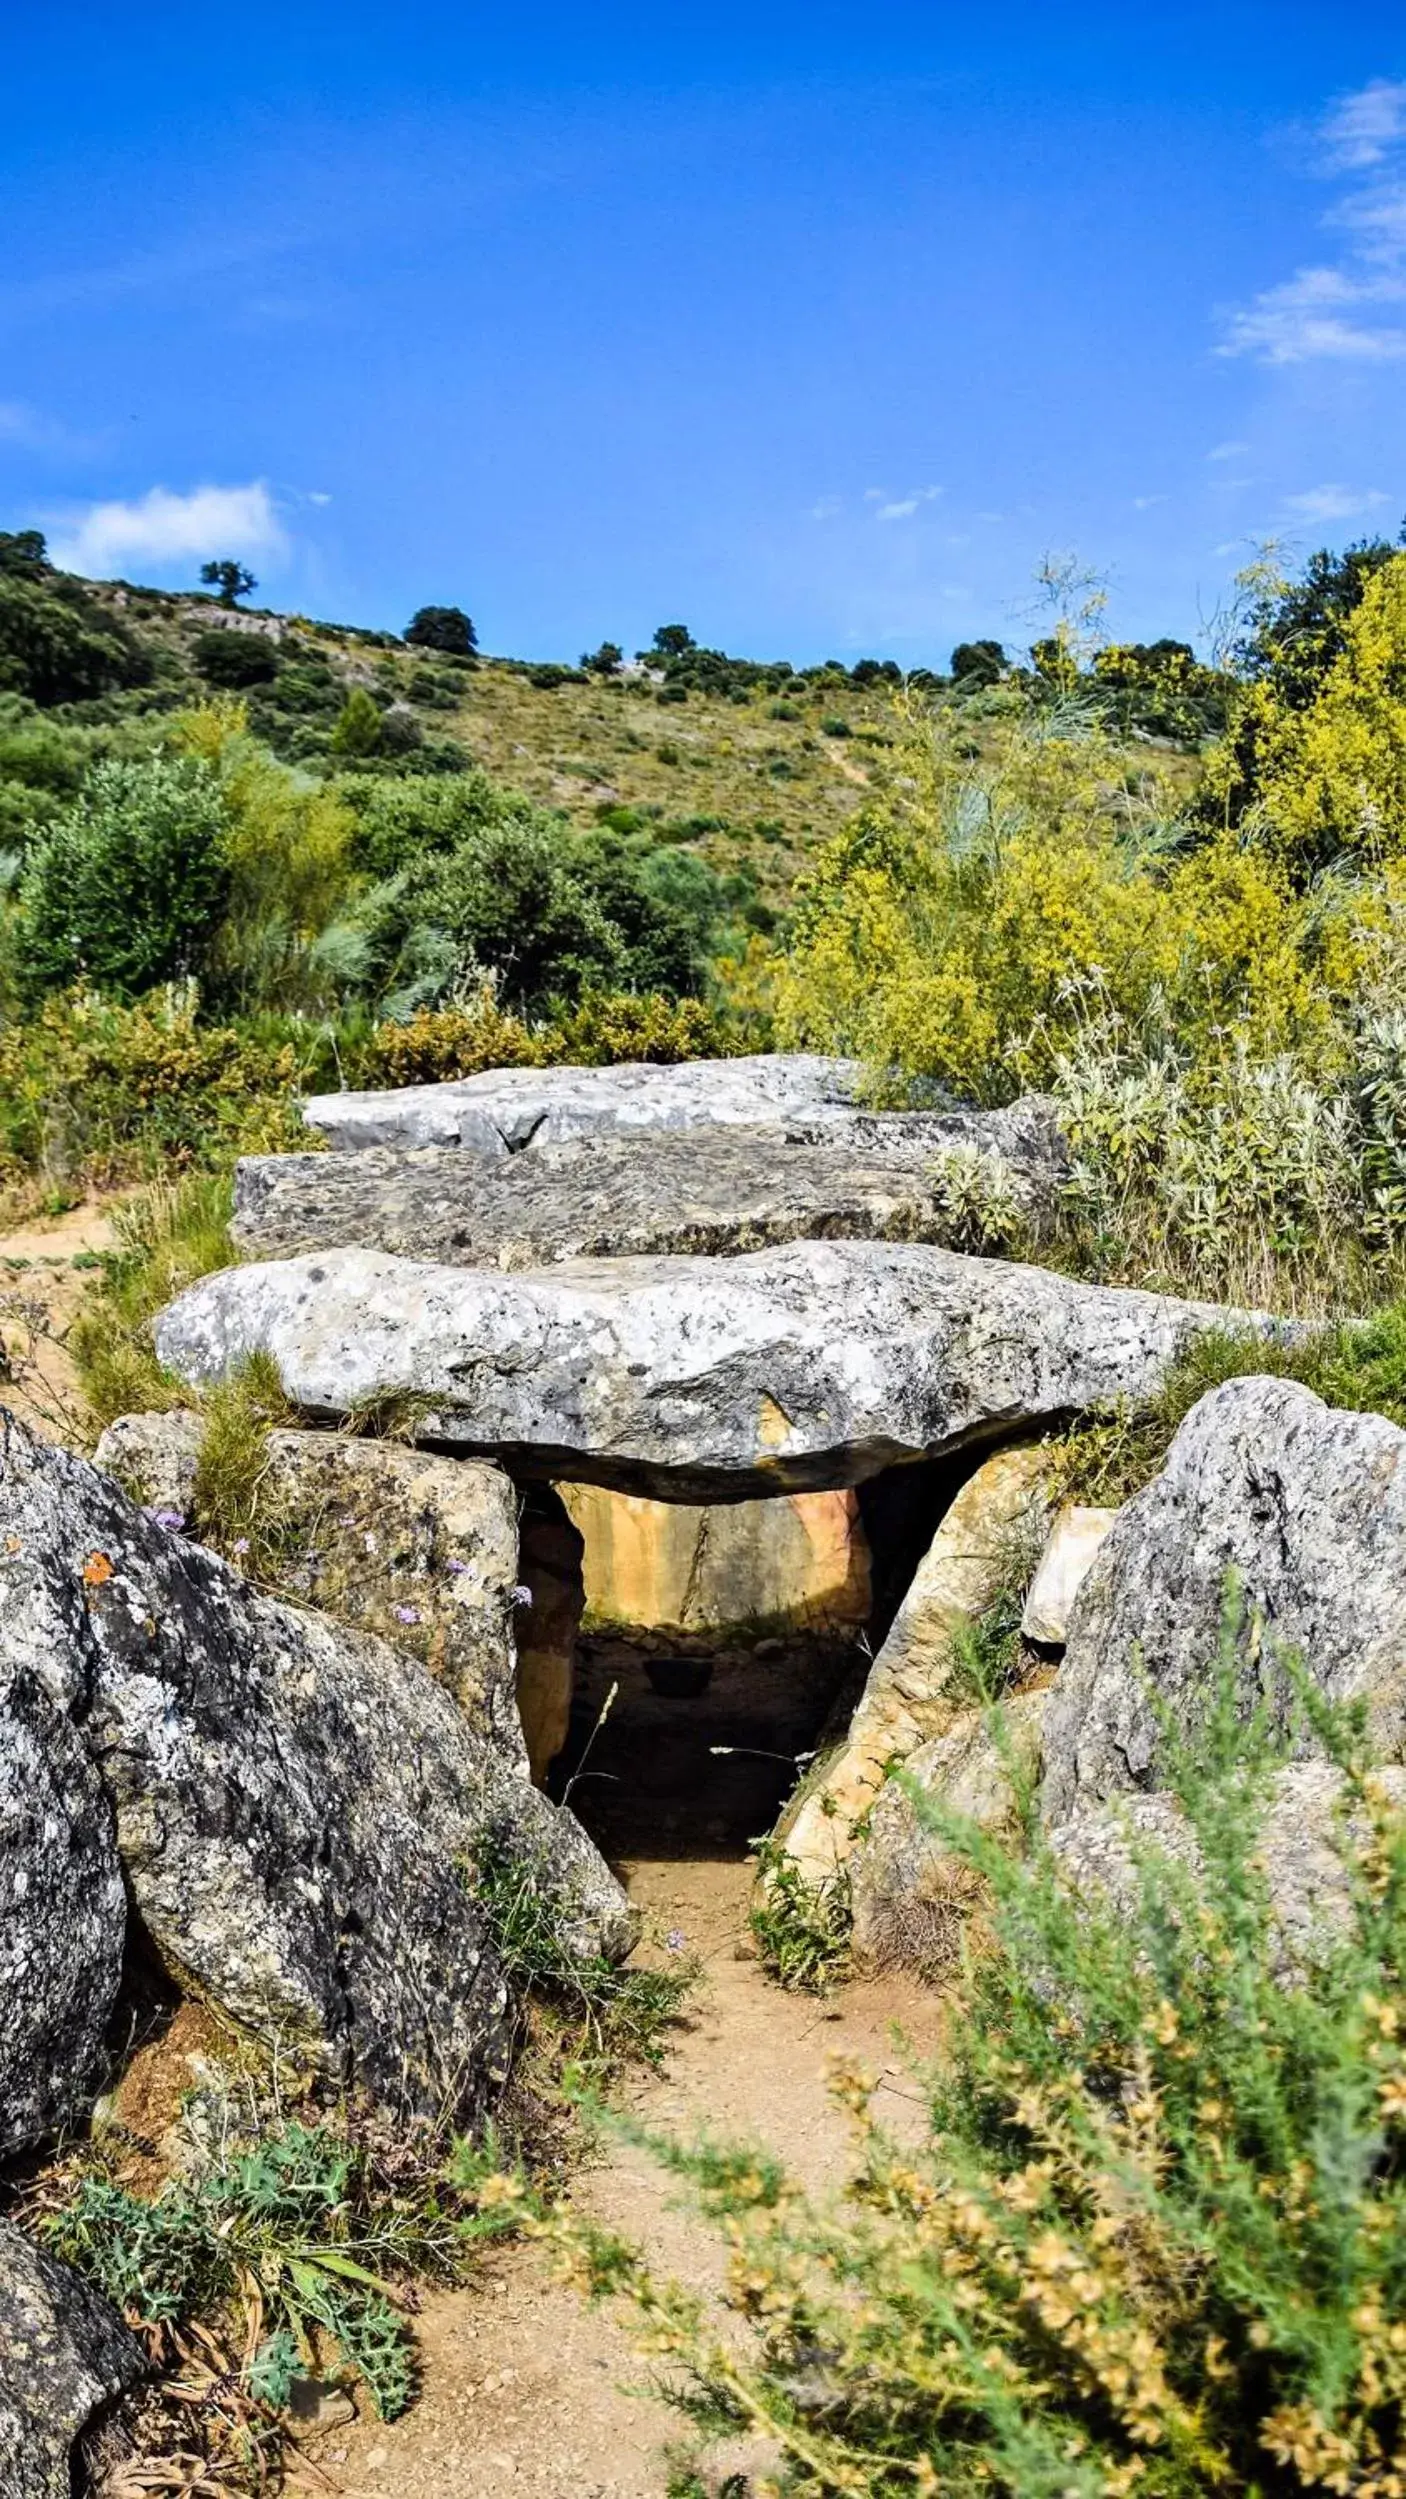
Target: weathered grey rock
[
  {"x": 794, "y": 1369},
  {"x": 1308, "y": 1506},
  {"x": 508, "y": 1110},
  {"x": 908, "y": 1696},
  {"x": 1300, "y": 1849},
  {"x": 299, "y": 1808},
  {"x": 421, "y": 1550},
  {"x": 64, "y": 2355},
  {"x": 63, "y": 1914},
  {"x": 714, "y": 1192},
  {"x": 911, "y": 1896},
  {"x": 1074, "y": 1539}
]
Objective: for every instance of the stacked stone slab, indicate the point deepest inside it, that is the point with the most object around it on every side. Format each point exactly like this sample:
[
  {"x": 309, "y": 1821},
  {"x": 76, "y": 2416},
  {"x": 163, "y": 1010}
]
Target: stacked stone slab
[
  {"x": 637, "y": 1192},
  {"x": 797, "y": 1369}
]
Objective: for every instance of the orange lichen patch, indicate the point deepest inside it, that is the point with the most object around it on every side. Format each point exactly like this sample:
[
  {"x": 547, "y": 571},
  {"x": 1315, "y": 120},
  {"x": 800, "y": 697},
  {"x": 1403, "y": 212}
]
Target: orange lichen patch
[{"x": 97, "y": 1570}]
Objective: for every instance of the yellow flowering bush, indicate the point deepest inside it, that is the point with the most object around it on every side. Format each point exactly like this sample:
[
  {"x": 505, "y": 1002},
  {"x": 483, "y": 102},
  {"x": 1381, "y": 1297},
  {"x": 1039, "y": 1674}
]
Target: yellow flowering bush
[{"x": 1332, "y": 776}]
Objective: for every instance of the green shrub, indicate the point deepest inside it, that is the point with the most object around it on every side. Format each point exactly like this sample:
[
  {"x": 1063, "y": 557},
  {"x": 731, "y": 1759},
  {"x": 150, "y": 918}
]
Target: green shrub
[
  {"x": 234, "y": 661},
  {"x": 1153, "y": 2238},
  {"x": 127, "y": 888},
  {"x": 801, "y": 1928},
  {"x": 358, "y": 732},
  {"x": 599, "y": 2018},
  {"x": 283, "y": 2244},
  {"x": 97, "y": 1091},
  {"x": 57, "y": 645}
]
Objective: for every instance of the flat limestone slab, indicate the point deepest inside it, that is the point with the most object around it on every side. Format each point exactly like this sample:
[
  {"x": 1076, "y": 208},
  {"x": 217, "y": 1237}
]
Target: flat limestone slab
[
  {"x": 692, "y": 1379},
  {"x": 507, "y": 1110},
  {"x": 714, "y": 1192}
]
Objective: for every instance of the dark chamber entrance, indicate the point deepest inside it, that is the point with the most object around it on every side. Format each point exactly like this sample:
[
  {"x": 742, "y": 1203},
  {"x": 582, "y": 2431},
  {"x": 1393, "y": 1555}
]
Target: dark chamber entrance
[
  {"x": 686, "y": 1737},
  {"x": 698, "y": 1751}
]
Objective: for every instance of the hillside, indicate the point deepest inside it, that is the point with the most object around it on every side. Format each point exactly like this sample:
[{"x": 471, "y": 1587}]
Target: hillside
[{"x": 753, "y": 778}]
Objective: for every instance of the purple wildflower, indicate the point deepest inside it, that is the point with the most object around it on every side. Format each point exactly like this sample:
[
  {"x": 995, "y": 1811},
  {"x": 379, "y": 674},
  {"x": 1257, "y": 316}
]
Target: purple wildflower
[
  {"x": 407, "y": 1613},
  {"x": 676, "y": 1939},
  {"x": 522, "y": 1596},
  {"x": 454, "y": 1563},
  {"x": 240, "y": 1545},
  {"x": 167, "y": 1518}
]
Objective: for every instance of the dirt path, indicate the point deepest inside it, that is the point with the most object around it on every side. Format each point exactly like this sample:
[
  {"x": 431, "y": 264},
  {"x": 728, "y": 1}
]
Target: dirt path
[
  {"x": 44, "y": 1267},
  {"x": 525, "y": 2389}
]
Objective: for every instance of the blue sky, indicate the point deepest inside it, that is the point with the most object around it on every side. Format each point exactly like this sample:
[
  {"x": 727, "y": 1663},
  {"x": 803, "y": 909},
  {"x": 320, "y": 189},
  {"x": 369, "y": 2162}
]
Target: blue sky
[{"x": 815, "y": 327}]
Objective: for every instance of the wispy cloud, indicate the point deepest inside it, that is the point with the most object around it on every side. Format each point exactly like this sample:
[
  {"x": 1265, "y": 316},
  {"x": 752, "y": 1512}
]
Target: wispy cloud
[
  {"x": 1361, "y": 129},
  {"x": 161, "y": 528},
  {"x": 1228, "y": 451},
  {"x": 1335, "y": 503},
  {"x": 903, "y": 507},
  {"x": 1351, "y": 310}
]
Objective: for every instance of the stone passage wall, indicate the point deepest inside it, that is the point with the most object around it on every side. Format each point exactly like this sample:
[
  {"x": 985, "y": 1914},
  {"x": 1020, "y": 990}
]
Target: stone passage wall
[{"x": 801, "y": 1561}]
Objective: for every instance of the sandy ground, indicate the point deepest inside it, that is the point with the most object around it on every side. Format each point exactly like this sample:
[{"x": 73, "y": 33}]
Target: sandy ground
[
  {"x": 43, "y": 1274},
  {"x": 526, "y": 2390}
]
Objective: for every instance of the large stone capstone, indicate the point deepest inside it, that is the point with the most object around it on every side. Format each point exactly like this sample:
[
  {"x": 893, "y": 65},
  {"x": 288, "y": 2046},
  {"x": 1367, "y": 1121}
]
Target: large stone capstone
[
  {"x": 514, "y": 1110},
  {"x": 299, "y": 1809},
  {"x": 1306, "y": 1507},
  {"x": 803, "y": 1368},
  {"x": 716, "y": 1191}
]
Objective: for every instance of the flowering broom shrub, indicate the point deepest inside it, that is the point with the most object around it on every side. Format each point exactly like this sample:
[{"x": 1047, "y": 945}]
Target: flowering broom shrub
[{"x": 1153, "y": 2238}]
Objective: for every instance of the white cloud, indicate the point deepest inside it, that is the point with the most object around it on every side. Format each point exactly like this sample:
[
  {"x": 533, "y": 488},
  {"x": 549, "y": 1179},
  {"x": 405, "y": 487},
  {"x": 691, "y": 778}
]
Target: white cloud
[
  {"x": 1361, "y": 129},
  {"x": 1147, "y": 503},
  {"x": 315, "y": 497},
  {"x": 1335, "y": 503},
  {"x": 827, "y": 508},
  {"x": 1318, "y": 313},
  {"x": 161, "y": 528},
  {"x": 1348, "y": 311},
  {"x": 904, "y": 508},
  {"x": 1228, "y": 451}
]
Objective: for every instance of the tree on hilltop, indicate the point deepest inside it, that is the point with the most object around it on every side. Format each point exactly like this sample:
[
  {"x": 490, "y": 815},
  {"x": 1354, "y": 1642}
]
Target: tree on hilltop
[
  {"x": 232, "y": 581},
  {"x": 442, "y": 629}
]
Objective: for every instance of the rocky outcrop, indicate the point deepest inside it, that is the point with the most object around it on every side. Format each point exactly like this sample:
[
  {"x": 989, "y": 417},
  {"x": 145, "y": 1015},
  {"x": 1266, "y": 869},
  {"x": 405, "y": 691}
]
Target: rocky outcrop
[
  {"x": 713, "y": 1191},
  {"x": 515, "y": 1110},
  {"x": 1306, "y": 1506},
  {"x": 798, "y": 1369},
  {"x": 63, "y": 1915},
  {"x": 910, "y": 1894},
  {"x": 801, "y": 1562},
  {"x": 299, "y": 1809},
  {"x": 64, "y": 2356},
  {"x": 908, "y": 1697},
  {"x": 421, "y": 1550},
  {"x": 1075, "y": 1538},
  {"x": 1299, "y": 1851}
]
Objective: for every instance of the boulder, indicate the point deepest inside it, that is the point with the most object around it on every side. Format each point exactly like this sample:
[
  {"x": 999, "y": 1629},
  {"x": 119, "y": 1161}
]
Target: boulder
[
  {"x": 419, "y": 1549},
  {"x": 805, "y": 1368},
  {"x": 63, "y": 1914},
  {"x": 513, "y": 1110},
  {"x": 299, "y": 1807},
  {"x": 1307, "y": 1507},
  {"x": 1074, "y": 1539},
  {"x": 64, "y": 2356},
  {"x": 908, "y": 1696},
  {"x": 910, "y": 1896},
  {"x": 801, "y": 1563},
  {"x": 715, "y": 1191},
  {"x": 1300, "y": 1851}
]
